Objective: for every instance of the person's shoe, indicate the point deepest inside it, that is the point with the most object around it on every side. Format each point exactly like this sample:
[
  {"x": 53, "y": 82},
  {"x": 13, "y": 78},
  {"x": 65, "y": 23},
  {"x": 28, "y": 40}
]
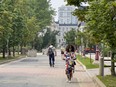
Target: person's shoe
[
  {"x": 53, "y": 65},
  {"x": 50, "y": 65},
  {"x": 69, "y": 81}
]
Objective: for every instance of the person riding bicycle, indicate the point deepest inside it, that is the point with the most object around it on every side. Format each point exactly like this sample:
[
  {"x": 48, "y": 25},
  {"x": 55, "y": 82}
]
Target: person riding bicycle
[{"x": 70, "y": 63}]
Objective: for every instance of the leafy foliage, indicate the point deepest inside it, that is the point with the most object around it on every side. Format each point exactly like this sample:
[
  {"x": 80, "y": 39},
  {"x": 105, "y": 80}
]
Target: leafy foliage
[
  {"x": 70, "y": 37},
  {"x": 100, "y": 18},
  {"x": 100, "y": 22},
  {"x": 76, "y": 2},
  {"x": 21, "y": 20},
  {"x": 49, "y": 38}
]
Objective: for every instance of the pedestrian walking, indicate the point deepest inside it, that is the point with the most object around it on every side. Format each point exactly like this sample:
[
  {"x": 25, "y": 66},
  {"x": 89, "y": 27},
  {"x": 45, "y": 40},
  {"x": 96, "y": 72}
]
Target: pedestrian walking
[{"x": 51, "y": 53}]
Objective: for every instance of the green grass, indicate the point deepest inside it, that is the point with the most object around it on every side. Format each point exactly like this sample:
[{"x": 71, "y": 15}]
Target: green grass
[
  {"x": 109, "y": 81},
  {"x": 4, "y": 60},
  {"x": 86, "y": 61}
]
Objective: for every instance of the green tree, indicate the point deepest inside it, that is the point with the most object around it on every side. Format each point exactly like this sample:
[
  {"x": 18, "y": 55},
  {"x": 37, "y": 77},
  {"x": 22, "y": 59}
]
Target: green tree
[
  {"x": 100, "y": 22},
  {"x": 43, "y": 14},
  {"x": 101, "y": 25},
  {"x": 5, "y": 26},
  {"x": 70, "y": 37},
  {"x": 38, "y": 43},
  {"x": 49, "y": 38},
  {"x": 21, "y": 20}
]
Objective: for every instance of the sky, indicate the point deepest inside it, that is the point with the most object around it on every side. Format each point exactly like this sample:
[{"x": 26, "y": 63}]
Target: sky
[{"x": 55, "y": 5}]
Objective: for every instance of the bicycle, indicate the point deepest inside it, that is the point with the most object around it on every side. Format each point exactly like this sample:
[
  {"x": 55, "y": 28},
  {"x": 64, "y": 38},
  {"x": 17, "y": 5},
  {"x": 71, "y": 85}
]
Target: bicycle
[{"x": 69, "y": 69}]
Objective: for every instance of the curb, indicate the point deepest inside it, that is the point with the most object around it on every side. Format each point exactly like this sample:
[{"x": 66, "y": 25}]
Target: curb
[
  {"x": 98, "y": 82},
  {"x": 81, "y": 65},
  {"x": 7, "y": 61},
  {"x": 95, "y": 79}
]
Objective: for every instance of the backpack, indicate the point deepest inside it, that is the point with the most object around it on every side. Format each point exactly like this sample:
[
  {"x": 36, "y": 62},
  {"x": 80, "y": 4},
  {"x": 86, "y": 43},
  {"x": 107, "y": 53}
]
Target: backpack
[{"x": 50, "y": 51}]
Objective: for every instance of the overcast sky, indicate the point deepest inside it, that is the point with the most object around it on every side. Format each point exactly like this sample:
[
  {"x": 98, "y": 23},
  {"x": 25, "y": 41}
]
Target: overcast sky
[{"x": 56, "y": 4}]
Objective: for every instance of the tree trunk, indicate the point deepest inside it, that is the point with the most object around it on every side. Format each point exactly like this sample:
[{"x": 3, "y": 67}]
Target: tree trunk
[
  {"x": 113, "y": 65},
  {"x": 13, "y": 51},
  {"x": 90, "y": 55},
  {"x": 21, "y": 49},
  {"x": 18, "y": 49},
  {"x": 9, "y": 52},
  {"x": 3, "y": 52}
]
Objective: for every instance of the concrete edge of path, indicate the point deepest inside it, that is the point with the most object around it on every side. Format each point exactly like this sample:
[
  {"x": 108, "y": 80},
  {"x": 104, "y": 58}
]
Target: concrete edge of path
[
  {"x": 95, "y": 79},
  {"x": 99, "y": 83},
  {"x": 8, "y": 61}
]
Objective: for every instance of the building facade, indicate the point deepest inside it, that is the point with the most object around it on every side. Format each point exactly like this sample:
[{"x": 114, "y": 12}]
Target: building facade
[
  {"x": 65, "y": 15},
  {"x": 66, "y": 22}
]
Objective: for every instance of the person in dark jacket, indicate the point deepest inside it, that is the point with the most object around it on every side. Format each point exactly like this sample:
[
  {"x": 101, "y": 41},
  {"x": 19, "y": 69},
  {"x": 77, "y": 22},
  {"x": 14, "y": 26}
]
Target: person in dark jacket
[{"x": 51, "y": 53}]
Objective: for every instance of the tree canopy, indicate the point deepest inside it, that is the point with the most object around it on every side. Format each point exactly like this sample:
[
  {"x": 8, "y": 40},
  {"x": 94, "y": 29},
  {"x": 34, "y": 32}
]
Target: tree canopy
[
  {"x": 100, "y": 18},
  {"x": 21, "y": 20},
  {"x": 70, "y": 36}
]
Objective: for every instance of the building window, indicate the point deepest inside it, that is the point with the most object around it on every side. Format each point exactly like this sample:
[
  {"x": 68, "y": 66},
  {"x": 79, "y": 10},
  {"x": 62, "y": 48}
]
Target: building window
[
  {"x": 63, "y": 28},
  {"x": 64, "y": 14},
  {"x": 68, "y": 21},
  {"x": 68, "y": 14},
  {"x": 68, "y": 9},
  {"x": 61, "y": 14},
  {"x": 61, "y": 21}
]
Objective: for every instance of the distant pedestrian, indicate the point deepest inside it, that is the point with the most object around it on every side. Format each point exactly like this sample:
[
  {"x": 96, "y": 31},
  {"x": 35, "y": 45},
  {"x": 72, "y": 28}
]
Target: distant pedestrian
[
  {"x": 62, "y": 52},
  {"x": 51, "y": 53}
]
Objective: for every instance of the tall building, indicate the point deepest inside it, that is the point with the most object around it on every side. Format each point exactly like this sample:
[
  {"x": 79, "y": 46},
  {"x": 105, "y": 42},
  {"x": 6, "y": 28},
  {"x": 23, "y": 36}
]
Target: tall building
[
  {"x": 65, "y": 15},
  {"x": 66, "y": 22}
]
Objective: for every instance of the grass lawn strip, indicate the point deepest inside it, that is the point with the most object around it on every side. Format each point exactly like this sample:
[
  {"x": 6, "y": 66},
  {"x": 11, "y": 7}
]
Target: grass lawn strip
[
  {"x": 6, "y": 60},
  {"x": 108, "y": 80},
  {"x": 86, "y": 61}
]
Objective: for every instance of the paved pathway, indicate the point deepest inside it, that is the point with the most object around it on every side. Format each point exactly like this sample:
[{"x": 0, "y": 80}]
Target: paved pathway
[{"x": 35, "y": 72}]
